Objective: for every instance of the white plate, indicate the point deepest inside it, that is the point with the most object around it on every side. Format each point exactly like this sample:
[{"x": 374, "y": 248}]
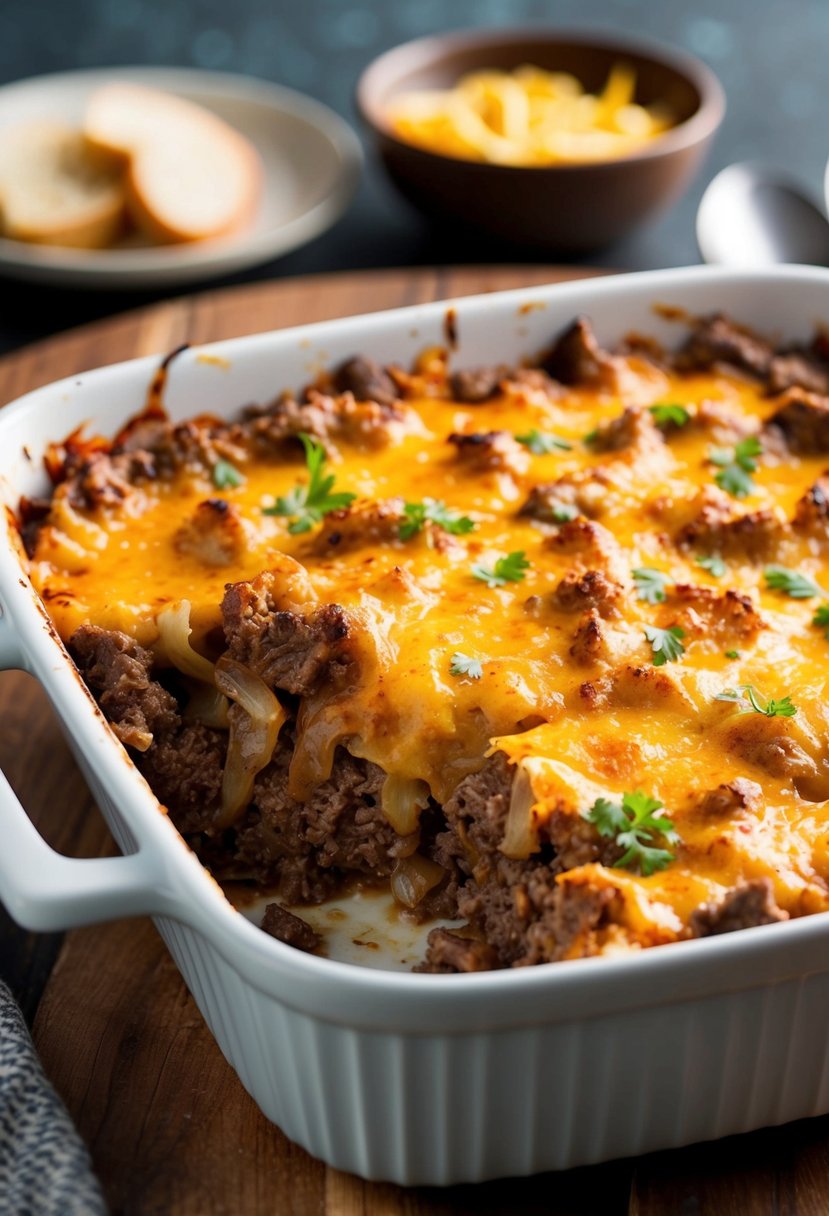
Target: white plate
[{"x": 311, "y": 158}]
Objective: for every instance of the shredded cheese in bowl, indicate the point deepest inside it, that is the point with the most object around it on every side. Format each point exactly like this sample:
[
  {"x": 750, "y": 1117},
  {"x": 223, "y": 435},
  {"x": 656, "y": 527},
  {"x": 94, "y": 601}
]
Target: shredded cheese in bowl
[{"x": 530, "y": 117}]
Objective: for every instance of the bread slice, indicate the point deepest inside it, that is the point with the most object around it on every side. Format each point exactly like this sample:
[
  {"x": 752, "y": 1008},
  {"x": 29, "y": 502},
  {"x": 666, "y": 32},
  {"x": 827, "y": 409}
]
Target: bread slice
[
  {"x": 57, "y": 190},
  {"x": 190, "y": 176}
]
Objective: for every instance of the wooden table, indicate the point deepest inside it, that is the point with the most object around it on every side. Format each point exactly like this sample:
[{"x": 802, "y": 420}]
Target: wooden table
[{"x": 169, "y": 1126}]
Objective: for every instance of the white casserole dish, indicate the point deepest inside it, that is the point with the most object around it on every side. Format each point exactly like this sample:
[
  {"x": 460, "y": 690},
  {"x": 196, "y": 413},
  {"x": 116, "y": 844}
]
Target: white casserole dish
[{"x": 425, "y": 1079}]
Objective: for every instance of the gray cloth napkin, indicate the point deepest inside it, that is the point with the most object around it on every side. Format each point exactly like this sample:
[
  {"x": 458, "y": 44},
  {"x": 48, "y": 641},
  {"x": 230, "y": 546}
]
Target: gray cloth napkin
[{"x": 44, "y": 1167}]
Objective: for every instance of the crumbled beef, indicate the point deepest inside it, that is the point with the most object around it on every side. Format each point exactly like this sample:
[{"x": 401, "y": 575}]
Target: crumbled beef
[
  {"x": 359, "y": 525},
  {"x": 195, "y": 445},
  {"x": 307, "y": 847},
  {"x": 589, "y": 589},
  {"x": 329, "y": 419},
  {"x": 754, "y": 536},
  {"x": 720, "y": 421},
  {"x": 577, "y": 358},
  {"x": 215, "y": 534},
  {"x": 798, "y": 369},
  {"x": 367, "y": 380},
  {"x": 477, "y": 384},
  {"x": 448, "y": 953},
  {"x": 117, "y": 670},
  {"x": 802, "y": 418},
  {"x": 286, "y": 927},
  {"x": 588, "y": 490},
  {"x": 717, "y": 341},
  {"x": 768, "y": 743},
  {"x": 590, "y": 640},
  {"x": 634, "y": 429},
  {"x": 545, "y": 502},
  {"x": 743, "y": 907},
  {"x": 517, "y": 907},
  {"x": 731, "y": 798},
  {"x": 291, "y": 652},
  {"x": 811, "y": 515},
  {"x": 105, "y": 481},
  {"x": 592, "y": 546},
  {"x": 184, "y": 769},
  {"x": 726, "y": 618},
  {"x": 490, "y": 451},
  {"x": 522, "y": 380},
  {"x": 532, "y": 919}
]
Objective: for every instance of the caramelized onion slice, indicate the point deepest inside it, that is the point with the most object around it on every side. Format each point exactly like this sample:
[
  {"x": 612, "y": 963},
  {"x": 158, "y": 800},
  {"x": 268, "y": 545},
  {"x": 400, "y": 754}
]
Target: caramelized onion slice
[
  {"x": 174, "y": 628},
  {"x": 520, "y": 834},
  {"x": 403, "y": 799},
  {"x": 256, "y": 718},
  {"x": 207, "y": 704},
  {"x": 413, "y": 877}
]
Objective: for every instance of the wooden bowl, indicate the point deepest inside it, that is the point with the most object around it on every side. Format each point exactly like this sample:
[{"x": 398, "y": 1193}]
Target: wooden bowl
[{"x": 558, "y": 208}]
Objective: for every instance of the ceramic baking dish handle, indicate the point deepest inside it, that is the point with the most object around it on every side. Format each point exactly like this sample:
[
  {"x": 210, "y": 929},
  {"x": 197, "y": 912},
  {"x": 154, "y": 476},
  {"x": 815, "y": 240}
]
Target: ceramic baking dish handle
[{"x": 44, "y": 890}]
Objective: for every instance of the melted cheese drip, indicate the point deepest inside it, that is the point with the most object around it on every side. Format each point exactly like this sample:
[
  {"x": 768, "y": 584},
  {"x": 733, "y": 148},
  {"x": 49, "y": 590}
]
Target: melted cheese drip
[{"x": 418, "y": 606}]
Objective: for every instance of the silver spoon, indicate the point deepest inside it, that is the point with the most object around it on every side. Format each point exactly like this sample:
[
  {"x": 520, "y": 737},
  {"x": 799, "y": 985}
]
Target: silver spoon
[{"x": 751, "y": 215}]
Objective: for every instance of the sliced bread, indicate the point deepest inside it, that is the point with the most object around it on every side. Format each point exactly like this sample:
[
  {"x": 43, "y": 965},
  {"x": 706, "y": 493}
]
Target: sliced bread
[
  {"x": 189, "y": 175},
  {"x": 55, "y": 189}
]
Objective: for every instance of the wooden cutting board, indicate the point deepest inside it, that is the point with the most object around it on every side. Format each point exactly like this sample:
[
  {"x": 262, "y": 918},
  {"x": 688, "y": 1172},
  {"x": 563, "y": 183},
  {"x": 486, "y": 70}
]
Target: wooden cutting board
[{"x": 168, "y": 1124}]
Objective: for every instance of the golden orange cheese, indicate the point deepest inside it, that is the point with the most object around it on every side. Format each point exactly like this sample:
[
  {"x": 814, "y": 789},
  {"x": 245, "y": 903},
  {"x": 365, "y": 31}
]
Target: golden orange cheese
[{"x": 417, "y": 604}]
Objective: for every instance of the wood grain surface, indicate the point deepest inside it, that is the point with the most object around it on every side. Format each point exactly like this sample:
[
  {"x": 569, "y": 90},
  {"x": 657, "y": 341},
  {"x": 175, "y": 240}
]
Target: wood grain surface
[{"x": 168, "y": 1124}]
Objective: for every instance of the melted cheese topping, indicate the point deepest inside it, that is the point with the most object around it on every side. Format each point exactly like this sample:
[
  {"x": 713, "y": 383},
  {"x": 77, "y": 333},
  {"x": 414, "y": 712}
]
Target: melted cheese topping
[{"x": 577, "y": 725}]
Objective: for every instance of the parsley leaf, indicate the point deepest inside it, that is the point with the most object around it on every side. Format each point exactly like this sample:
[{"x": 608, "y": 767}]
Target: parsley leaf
[
  {"x": 749, "y": 700},
  {"x": 650, "y": 585},
  {"x": 509, "y": 569},
  {"x": 821, "y": 619},
  {"x": 432, "y": 510},
  {"x": 541, "y": 444},
  {"x": 736, "y": 467},
  {"x": 714, "y": 564},
  {"x": 591, "y": 436},
  {"x": 732, "y": 654},
  {"x": 791, "y": 582},
  {"x": 668, "y": 413},
  {"x": 307, "y": 504},
  {"x": 563, "y": 512},
  {"x": 666, "y": 644},
  {"x": 463, "y": 665},
  {"x": 635, "y": 826},
  {"x": 226, "y": 476}
]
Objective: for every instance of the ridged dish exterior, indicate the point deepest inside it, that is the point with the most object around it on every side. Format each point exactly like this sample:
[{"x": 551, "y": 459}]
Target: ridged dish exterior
[{"x": 430, "y": 1079}]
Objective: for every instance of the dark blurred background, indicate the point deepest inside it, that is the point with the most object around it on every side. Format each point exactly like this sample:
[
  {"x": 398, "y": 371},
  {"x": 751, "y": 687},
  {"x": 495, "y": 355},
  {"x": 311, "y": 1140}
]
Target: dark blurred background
[{"x": 771, "y": 56}]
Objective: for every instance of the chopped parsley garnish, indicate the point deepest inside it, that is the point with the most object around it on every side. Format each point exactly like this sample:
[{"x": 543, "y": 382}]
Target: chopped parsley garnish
[
  {"x": 791, "y": 583},
  {"x": 541, "y": 444},
  {"x": 737, "y": 466},
  {"x": 307, "y": 504},
  {"x": 563, "y": 512},
  {"x": 650, "y": 585},
  {"x": 668, "y": 413},
  {"x": 732, "y": 654},
  {"x": 226, "y": 476},
  {"x": 463, "y": 665},
  {"x": 714, "y": 564},
  {"x": 751, "y": 702},
  {"x": 591, "y": 436},
  {"x": 509, "y": 569},
  {"x": 666, "y": 644},
  {"x": 433, "y": 511},
  {"x": 821, "y": 619},
  {"x": 635, "y": 825}
]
